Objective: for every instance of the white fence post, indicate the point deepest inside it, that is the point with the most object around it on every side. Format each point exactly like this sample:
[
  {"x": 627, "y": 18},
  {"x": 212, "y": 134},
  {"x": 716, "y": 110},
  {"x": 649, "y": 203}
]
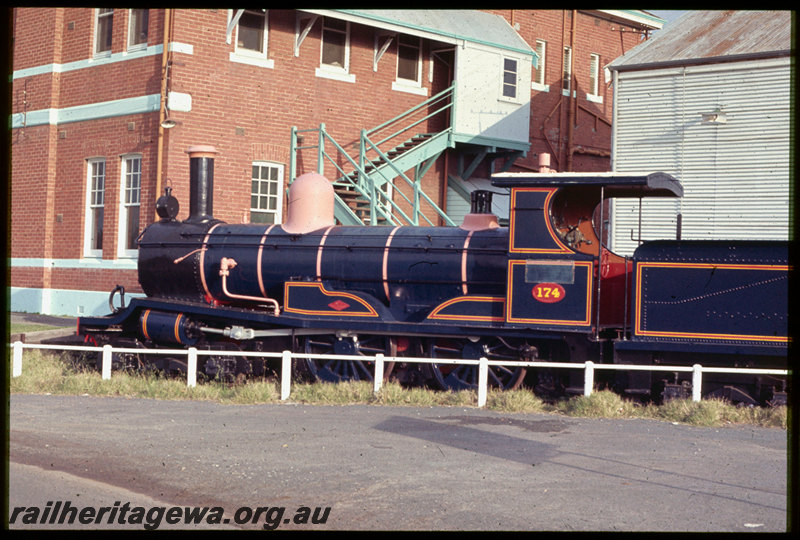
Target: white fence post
[
  {"x": 697, "y": 382},
  {"x": 16, "y": 369},
  {"x": 378, "y": 380},
  {"x": 191, "y": 368},
  {"x": 106, "y": 372},
  {"x": 286, "y": 374},
  {"x": 483, "y": 380},
  {"x": 588, "y": 381}
]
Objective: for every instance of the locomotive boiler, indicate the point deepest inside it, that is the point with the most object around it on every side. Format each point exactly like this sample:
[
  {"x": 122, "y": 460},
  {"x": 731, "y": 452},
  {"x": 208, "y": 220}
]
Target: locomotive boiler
[{"x": 542, "y": 288}]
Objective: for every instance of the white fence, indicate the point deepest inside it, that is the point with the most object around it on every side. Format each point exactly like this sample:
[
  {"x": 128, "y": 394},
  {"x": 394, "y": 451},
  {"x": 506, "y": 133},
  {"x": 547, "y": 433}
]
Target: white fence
[{"x": 287, "y": 357}]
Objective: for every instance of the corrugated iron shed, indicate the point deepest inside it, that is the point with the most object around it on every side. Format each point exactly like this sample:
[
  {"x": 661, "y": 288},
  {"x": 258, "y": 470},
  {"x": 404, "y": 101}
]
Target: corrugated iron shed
[{"x": 709, "y": 36}]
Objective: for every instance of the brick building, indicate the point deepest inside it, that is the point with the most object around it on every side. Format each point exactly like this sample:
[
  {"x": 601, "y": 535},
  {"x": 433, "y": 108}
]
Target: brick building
[{"x": 105, "y": 103}]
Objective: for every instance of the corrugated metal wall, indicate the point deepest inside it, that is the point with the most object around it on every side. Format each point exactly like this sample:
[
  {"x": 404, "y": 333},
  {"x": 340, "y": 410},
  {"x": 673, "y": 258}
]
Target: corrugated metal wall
[{"x": 735, "y": 170}]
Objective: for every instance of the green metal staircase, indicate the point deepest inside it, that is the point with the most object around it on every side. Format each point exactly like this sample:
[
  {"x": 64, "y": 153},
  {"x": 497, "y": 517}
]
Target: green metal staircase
[{"x": 374, "y": 187}]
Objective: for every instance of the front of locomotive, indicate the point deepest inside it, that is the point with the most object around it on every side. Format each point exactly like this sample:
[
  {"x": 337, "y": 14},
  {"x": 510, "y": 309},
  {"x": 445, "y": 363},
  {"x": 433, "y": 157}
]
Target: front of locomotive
[
  {"x": 171, "y": 251},
  {"x": 168, "y": 267}
]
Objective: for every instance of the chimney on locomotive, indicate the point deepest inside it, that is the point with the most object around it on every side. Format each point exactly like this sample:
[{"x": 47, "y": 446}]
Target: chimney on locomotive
[
  {"x": 480, "y": 215},
  {"x": 201, "y": 183}
]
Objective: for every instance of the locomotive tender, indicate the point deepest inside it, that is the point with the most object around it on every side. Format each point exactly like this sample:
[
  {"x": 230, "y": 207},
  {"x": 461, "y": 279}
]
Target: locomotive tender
[{"x": 543, "y": 288}]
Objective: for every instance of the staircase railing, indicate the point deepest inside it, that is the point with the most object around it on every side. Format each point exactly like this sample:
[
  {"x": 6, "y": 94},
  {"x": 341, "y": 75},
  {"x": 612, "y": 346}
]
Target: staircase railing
[
  {"x": 368, "y": 184},
  {"x": 444, "y": 100},
  {"x": 379, "y": 196}
]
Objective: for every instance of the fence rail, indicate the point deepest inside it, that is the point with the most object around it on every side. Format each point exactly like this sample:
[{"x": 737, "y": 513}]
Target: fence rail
[{"x": 287, "y": 357}]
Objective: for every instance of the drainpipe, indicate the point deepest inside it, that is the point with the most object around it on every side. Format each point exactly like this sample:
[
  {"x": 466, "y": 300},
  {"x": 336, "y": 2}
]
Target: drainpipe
[
  {"x": 163, "y": 107},
  {"x": 561, "y": 112},
  {"x": 573, "y": 101}
]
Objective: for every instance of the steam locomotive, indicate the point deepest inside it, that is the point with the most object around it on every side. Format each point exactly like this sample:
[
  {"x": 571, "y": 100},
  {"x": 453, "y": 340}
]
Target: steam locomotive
[{"x": 542, "y": 288}]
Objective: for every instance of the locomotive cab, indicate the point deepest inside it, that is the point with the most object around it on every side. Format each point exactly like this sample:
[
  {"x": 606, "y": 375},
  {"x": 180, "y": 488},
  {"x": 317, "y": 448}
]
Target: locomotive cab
[{"x": 561, "y": 216}]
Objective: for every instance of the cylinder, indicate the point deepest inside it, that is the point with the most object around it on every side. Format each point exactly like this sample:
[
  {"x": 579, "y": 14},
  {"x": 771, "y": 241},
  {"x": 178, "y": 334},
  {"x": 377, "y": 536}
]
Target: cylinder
[
  {"x": 201, "y": 183},
  {"x": 161, "y": 327}
]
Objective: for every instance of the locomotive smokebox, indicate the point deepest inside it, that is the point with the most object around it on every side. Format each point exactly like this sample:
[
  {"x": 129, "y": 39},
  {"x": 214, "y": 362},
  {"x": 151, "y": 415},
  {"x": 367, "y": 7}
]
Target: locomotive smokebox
[{"x": 201, "y": 183}]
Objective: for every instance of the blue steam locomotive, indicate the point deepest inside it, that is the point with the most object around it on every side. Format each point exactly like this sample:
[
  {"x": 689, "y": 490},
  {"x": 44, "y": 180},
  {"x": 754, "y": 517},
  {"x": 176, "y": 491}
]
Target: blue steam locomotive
[{"x": 544, "y": 287}]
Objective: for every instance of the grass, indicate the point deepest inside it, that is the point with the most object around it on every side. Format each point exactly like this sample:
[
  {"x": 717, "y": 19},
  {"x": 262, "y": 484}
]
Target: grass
[
  {"x": 47, "y": 373},
  {"x": 23, "y": 328}
]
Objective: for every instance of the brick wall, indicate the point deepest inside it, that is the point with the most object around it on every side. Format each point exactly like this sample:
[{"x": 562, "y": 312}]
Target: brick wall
[
  {"x": 594, "y": 34},
  {"x": 245, "y": 111}
]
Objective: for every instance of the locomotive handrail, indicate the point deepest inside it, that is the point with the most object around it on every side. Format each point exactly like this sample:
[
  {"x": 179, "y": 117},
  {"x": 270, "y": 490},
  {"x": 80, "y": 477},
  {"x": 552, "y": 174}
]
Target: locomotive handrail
[{"x": 287, "y": 357}]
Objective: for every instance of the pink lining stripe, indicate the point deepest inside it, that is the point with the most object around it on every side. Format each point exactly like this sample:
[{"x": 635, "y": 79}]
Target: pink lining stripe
[
  {"x": 319, "y": 253},
  {"x": 464, "y": 263},
  {"x": 385, "y": 266},
  {"x": 202, "y": 260},
  {"x": 258, "y": 261}
]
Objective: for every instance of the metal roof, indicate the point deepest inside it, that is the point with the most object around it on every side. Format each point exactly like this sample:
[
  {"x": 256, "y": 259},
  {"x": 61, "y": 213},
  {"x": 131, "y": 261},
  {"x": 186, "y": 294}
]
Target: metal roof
[
  {"x": 446, "y": 25},
  {"x": 705, "y": 36},
  {"x": 657, "y": 184}
]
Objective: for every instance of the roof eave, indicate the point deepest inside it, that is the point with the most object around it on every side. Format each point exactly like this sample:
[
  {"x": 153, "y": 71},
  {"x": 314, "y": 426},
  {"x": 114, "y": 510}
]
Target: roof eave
[{"x": 698, "y": 61}]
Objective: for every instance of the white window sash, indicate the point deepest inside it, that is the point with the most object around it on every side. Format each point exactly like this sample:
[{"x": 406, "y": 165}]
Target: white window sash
[
  {"x": 92, "y": 202},
  {"x": 130, "y": 197},
  {"x": 346, "y": 59},
  {"x": 132, "y": 30},
  {"x": 277, "y": 197},
  {"x": 108, "y": 18}
]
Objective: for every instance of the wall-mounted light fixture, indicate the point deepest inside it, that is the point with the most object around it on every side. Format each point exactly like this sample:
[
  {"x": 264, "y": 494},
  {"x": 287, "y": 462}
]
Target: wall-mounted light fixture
[{"x": 714, "y": 117}]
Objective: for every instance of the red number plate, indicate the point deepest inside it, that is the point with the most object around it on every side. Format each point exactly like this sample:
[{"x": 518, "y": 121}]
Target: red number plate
[{"x": 549, "y": 293}]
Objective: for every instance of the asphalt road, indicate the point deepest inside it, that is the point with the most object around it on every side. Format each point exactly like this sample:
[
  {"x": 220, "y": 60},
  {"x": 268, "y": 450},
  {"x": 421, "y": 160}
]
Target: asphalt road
[{"x": 393, "y": 468}]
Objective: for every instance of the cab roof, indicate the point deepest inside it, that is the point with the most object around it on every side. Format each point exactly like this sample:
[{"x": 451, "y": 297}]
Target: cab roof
[{"x": 657, "y": 184}]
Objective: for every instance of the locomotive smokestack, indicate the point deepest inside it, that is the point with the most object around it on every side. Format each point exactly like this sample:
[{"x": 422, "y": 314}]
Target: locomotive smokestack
[
  {"x": 480, "y": 215},
  {"x": 481, "y": 202},
  {"x": 201, "y": 183}
]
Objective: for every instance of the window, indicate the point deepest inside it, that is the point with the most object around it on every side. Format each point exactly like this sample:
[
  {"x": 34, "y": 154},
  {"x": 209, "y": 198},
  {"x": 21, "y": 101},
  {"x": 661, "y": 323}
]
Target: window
[
  {"x": 335, "y": 42},
  {"x": 567, "y": 75},
  {"x": 137, "y": 28},
  {"x": 95, "y": 194},
  {"x": 130, "y": 191},
  {"x": 409, "y": 58},
  {"x": 594, "y": 75},
  {"x": 539, "y": 71},
  {"x": 104, "y": 18},
  {"x": 251, "y": 33},
  {"x": 509, "y": 78},
  {"x": 335, "y": 53},
  {"x": 266, "y": 193}
]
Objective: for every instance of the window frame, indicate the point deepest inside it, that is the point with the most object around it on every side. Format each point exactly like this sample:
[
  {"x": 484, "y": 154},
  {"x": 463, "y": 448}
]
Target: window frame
[
  {"x": 541, "y": 71},
  {"x": 417, "y": 81},
  {"x": 244, "y": 51},
  {"x": 124, "y": 206},
  {"x": 132, "y": 30},
  {"x": 566, "y": 72},
  {"x": 90, "y": 205},
  {"x": 332, "y": 71},
  {"x": 594, "y": 81},
  {"x": 516, "y": 98},
  {"x": 277, "y": 212},
  {"x": 250, "y": 56},
  {"x": 101, "y": 17}
]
